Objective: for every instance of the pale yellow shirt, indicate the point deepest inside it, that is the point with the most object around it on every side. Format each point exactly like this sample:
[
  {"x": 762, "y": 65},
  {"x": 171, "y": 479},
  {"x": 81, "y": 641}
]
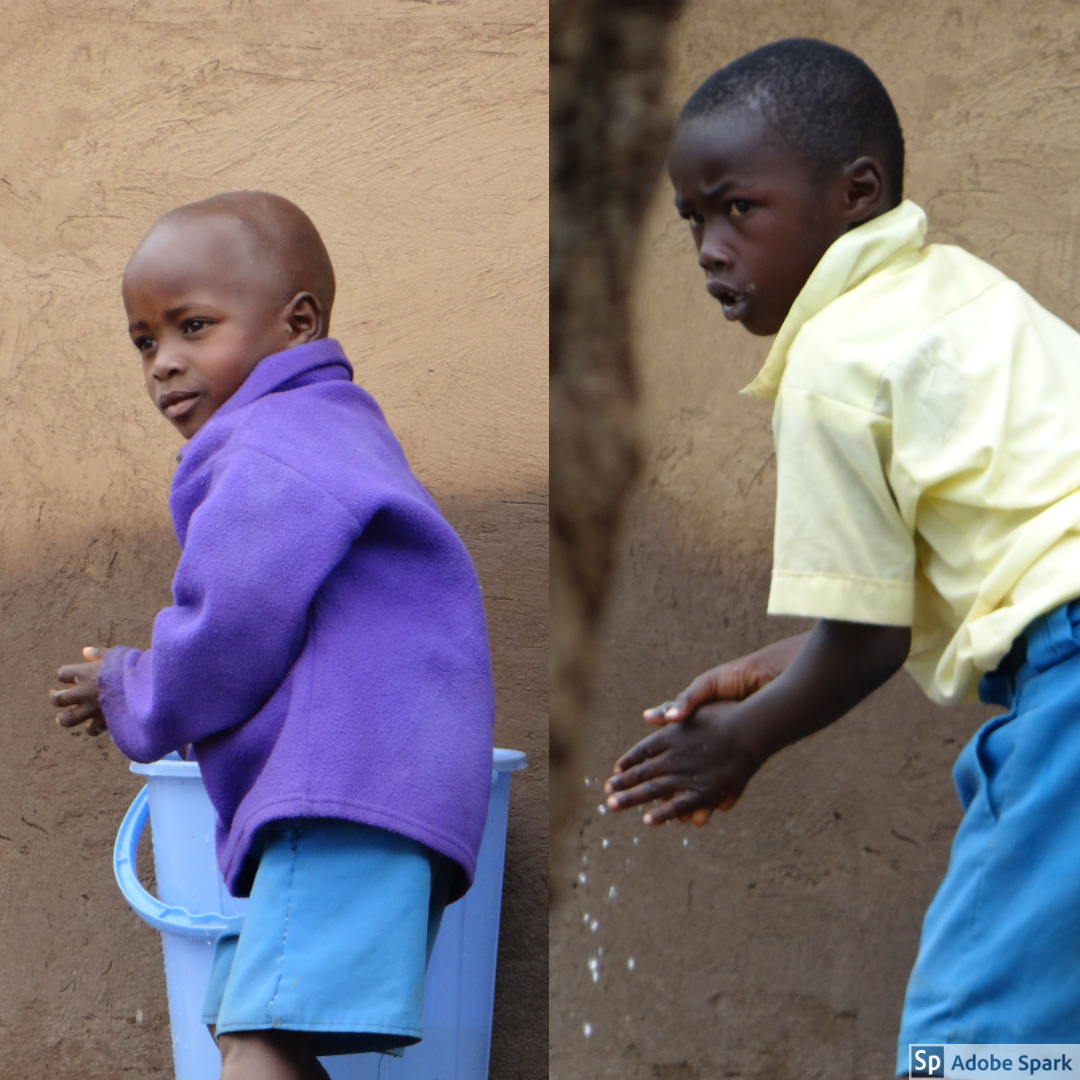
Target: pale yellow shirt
[{"x": 927, "y": 428}]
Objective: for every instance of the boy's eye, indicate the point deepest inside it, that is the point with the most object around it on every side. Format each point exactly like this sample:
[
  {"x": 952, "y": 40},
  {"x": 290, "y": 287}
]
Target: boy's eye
[
  {"x": 692, "y": 219},
  {"x": 143, "y": 343},
  {"x": 193, "y": 326},
  {"x": 738, "y": 207}
]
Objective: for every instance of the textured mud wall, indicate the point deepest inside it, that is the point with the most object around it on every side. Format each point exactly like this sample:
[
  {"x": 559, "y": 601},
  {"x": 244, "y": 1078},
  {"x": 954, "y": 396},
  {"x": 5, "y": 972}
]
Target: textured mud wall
[
  {"x": 414, "y": 134},
  {"x": 776, "y": 942}
]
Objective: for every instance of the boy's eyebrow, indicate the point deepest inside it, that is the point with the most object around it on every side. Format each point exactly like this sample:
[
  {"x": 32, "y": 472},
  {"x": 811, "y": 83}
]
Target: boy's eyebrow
[
  {"x": 721, "y": 189},
  {"x": 170, "y": 315},
  {"x": 176, "y": 311}
]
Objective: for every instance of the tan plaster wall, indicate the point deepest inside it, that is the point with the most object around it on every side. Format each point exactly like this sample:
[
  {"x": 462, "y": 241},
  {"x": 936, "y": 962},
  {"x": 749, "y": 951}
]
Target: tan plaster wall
[
  {"x": 777, "y": 943},
  {"x": 413, "y": 132}
]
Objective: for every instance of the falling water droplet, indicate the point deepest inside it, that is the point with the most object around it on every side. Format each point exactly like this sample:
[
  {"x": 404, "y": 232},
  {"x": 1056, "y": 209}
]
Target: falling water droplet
[
  {"x": 612, "y": 893},
  {"x": 686, "y": 843},
  {"x": 594, "y": 925},
  {"x": 585, "y": 918},
  {"x": 601, "y": 809},
  {"x": 587, "y": 1029},
  {"x": 635, "y": 840},
  {"x": 606, "y": 843},
  {"x": 586, "y": 781},
  {"x": 631, "y": 964},
  {"x": 582, "y": 879}
]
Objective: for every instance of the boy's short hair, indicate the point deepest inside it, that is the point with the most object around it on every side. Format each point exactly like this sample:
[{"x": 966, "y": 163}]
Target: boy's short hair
[
  {"x": 821, "y": 99},
  {"x": 286, "y": 236}
]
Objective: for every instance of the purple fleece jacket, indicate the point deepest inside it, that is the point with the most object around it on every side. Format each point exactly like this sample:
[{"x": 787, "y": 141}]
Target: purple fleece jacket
[{"x": 326, "y": 651}]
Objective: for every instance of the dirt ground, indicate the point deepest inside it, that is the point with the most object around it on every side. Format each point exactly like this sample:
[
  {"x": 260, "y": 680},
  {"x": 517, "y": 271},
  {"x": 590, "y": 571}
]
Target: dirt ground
[
  {"x": 775, "y": 943},
  {"x": 414, "y": 134}
]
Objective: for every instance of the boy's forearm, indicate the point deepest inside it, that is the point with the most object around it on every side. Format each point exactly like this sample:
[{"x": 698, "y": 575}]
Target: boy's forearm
[
  {"x": 837, "y": 665},
  {"x": 775, "y": 658}
]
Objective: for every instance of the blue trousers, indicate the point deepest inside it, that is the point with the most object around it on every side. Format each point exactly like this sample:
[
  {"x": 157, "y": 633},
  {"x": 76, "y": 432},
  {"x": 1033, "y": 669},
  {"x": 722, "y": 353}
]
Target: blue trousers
[{"x": 999, "y": 957}]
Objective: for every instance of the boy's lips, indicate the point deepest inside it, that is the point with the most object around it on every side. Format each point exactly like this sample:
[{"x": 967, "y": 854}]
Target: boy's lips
[
  {"x": 177, "y": 402},
  {"x": 734, "y": 302}
]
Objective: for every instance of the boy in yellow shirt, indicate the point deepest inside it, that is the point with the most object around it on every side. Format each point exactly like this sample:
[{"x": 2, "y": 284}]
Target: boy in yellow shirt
[{"x": 927, "y": 429}]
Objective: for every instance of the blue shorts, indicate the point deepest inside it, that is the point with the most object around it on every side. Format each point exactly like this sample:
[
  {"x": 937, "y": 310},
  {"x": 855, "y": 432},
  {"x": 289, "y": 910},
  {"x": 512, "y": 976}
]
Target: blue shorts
[
  {"x": 335, "y": 940},
  {"x": 999, "y": 958}
]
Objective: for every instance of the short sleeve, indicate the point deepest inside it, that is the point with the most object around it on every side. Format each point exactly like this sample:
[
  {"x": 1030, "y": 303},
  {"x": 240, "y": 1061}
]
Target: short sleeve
[{"x": 841, "y": 549}]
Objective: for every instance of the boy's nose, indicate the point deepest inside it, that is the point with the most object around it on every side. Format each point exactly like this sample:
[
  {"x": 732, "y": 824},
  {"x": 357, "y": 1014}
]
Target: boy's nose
[
  {"x": 713, "y": 252},
  {"x": 167, "y": 363}
]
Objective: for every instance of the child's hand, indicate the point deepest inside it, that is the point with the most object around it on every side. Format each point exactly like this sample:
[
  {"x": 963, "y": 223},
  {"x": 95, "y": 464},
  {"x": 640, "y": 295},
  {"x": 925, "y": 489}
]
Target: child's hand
[
  {"x": 695, "y": 766},
  {"x": 80, "y": 704},
  {"x": 733, "y": 681}
]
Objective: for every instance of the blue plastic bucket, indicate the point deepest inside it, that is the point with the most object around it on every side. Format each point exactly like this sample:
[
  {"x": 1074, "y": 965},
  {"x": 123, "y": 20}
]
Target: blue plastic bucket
[{"x": 193, "y": 907}]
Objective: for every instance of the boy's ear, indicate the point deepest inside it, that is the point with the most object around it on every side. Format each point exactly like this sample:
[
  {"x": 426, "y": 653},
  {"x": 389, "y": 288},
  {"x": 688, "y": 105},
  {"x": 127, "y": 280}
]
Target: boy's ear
[
  {"x": 866, "y": 191},
  {"x": 306, "y": 319}
]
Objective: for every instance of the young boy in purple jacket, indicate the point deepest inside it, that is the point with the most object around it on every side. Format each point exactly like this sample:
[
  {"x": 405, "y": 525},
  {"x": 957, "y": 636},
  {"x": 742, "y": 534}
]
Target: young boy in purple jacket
[{"x": 325, "y": 655}]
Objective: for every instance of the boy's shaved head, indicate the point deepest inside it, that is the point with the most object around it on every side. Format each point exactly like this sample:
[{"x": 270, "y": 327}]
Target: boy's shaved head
[
  {"x": 820, "y": 99},
  {"x": 290, "y": 248}
]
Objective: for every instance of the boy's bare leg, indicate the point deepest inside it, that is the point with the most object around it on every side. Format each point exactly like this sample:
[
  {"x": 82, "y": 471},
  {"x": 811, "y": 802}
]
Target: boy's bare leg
[{"x": 269, "y": 1055}]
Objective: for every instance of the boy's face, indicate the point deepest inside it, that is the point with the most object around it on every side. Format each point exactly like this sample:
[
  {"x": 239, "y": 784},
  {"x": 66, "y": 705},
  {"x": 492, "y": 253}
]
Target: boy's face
[
  {"x": 760, "y": 215},
  {"x": 203, "y": 309}
]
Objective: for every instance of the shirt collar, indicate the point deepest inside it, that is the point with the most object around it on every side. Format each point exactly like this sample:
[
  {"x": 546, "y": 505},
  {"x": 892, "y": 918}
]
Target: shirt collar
[
  {"x": 315, "y": 361},
  {"x": 850, "y": 260}
]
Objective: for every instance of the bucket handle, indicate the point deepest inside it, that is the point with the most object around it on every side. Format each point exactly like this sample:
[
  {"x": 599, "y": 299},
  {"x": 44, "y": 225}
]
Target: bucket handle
[{"x": 161, "y": 916}]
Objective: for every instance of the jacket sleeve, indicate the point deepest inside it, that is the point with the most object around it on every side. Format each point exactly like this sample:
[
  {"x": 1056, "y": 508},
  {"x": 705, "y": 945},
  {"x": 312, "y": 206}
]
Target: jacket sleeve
[{"x": 258, "y": 547}]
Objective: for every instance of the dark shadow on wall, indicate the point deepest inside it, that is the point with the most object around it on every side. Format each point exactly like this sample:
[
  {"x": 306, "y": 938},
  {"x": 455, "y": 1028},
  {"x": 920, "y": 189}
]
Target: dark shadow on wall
[
  {"x": 775, "y": 942},
  {"x": 82, "y": 990}
]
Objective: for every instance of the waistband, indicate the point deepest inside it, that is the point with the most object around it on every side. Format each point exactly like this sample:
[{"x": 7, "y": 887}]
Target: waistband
[{"x": 1046, "y": 641}]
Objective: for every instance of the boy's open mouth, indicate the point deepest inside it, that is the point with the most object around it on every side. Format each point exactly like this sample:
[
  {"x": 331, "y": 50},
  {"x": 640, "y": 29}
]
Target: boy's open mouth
[{"x": 731, "y": 300}]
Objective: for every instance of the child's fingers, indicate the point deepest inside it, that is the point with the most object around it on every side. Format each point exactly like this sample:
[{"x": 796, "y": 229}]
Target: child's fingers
[
  {"x": 97, "y": 725},
  {"x": 648, "y": 748},
  {"x": 661, "y": 787},
  {"x": 94, "y": 652},
  {"x": 636, "y": 774},
  {"x": 700, "y": 691},
  {"x": 77, "y": 695},
  {"x": 671, "y": 712},
  {"x": 658, "y": 714},
  {"x": 685, "y": 802},
  {"x": 701, "y": 816},
  {"x": 76, "y": 715},
  {"x": 73, "y": 673}
]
